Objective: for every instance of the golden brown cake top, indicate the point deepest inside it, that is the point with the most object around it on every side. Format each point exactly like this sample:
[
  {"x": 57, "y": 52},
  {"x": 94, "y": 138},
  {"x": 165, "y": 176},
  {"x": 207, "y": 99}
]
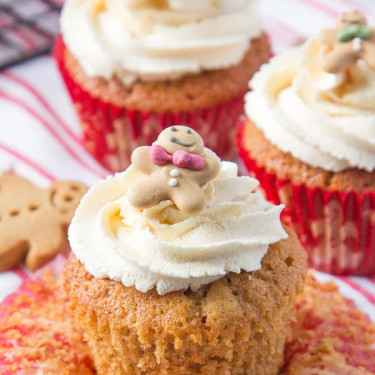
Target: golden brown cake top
[
  {"x": 238, "y": 322},
  {"x": 189, "y": 94},
  {"x": 287, "y": 167}
]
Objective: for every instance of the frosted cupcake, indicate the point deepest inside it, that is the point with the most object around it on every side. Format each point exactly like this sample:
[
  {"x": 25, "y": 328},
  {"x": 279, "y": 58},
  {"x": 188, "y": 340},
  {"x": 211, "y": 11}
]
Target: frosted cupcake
[
  {"x": 310, "y": 140},
  {"x": 179, "y": 267},
  {"x": 135, "y": 67}
]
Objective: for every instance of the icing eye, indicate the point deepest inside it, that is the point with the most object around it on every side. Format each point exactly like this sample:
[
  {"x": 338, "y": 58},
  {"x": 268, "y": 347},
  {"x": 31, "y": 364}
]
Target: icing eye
[
  {"x": 173, "y": 129},
  {"x": 188, "y": 131}
]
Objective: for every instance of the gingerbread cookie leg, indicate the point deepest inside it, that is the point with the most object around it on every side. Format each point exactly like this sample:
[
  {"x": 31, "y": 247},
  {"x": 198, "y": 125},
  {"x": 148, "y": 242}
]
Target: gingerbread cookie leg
[
  {"x": 12, "y": 254},
  {"x": 188, "y": 197},
  {"x": 44, "y": 248}
]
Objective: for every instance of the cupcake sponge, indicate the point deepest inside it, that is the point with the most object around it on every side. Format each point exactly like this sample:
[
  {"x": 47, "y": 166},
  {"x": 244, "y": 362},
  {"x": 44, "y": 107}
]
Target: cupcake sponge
[{"x": 238, "y": 324}]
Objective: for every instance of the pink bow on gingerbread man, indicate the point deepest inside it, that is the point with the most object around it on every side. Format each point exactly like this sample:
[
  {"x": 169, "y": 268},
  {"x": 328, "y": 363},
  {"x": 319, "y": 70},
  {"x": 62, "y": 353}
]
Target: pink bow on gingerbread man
[{"x": 180, "y": 158}]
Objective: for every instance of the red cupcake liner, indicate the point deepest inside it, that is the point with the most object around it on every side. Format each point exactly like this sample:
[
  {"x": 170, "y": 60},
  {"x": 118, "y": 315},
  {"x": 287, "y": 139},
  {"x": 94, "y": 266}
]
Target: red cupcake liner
[
  {"x": 111, "y": 133},
  {"x": 337, "y": 229}
]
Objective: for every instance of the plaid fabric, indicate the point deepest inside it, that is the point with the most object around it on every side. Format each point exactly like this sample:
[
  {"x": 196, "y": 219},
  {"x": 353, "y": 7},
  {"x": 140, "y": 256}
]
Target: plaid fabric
[{"x": 27, "y": 29}]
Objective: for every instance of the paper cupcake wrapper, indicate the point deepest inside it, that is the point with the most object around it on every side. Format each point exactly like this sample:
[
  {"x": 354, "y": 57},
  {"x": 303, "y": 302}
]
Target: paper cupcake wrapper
[
  {"x": 337, "y": 229},
  {"x": 111, "y": 133}
]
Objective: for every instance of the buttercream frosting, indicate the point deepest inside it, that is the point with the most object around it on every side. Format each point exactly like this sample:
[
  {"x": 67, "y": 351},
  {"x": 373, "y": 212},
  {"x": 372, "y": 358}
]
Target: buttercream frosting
[
  {"x": 157, "y": 39},
  {"x": 323, "y": 119},
  {"x": 162, "y": 247}
]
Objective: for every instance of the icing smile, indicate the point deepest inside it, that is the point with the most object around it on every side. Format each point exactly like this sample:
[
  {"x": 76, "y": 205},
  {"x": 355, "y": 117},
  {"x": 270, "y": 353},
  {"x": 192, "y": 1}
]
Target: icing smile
[{"x": 176, "y": 140}]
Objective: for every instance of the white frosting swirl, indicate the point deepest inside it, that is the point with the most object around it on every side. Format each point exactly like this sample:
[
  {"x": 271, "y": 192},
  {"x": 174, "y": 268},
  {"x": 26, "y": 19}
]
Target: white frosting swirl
[
  {"x": 325, "y": 120},
  {"x": 161, "y": 246},
  {"x": 157, "y": 39}
]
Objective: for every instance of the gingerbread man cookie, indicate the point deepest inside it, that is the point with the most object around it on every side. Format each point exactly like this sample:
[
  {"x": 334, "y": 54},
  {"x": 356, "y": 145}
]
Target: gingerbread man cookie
[
  {"x": 33, "y": 221},
  {"x": 350, "y": 41},
  {"x": 178, "y": 165}
]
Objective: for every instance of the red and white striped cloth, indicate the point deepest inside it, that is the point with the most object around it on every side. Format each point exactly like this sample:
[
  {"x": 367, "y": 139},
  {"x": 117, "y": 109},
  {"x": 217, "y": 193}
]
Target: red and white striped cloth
[{"x": 40, "y": 137}]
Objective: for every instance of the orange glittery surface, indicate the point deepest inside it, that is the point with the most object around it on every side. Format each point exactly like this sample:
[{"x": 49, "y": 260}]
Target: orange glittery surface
[
  {"x": 330, "y": 336},
  {"x": 38, "y": 334}
]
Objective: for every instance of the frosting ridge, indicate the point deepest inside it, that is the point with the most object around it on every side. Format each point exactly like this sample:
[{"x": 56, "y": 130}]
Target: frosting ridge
[{"x": 163, "y": 247}]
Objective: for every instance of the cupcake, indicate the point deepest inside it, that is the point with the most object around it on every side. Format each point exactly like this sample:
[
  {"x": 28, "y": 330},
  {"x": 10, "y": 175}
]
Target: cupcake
[
  {"x": 310, "y": 140},
  {"x": 179, "y": 267},
  {"x": 135, "y": 67}
]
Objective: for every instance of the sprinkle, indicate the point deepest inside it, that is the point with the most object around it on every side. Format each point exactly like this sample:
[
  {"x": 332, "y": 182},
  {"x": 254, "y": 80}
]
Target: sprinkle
[
  {"x": 174, "y": 173},
  {"x": 173, "y": 182},
  {"x": 357, "y": 44}
]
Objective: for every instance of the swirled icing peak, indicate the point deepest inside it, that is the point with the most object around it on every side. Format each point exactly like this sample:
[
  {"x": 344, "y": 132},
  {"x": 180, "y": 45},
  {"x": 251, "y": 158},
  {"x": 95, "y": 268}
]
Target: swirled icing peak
[
  {"x": 168, "y": 248},
  {"x": 318, "y": 101},
  {"x": 157, "y": 39}
]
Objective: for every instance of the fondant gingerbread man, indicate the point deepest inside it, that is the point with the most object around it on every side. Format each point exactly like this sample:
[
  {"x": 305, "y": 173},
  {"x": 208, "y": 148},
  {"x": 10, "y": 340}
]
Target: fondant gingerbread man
[
  {"x": 178, "y": 165},
  {"x": 350, "y": 41},
  {"x": 34, "y": 221}
]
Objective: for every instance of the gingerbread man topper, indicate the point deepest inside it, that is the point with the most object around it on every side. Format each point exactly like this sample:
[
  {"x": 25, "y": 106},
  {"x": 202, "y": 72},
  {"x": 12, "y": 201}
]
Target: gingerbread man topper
[
  {"x": 352, "y": 40},
  {"x": 177, "y": 165}
]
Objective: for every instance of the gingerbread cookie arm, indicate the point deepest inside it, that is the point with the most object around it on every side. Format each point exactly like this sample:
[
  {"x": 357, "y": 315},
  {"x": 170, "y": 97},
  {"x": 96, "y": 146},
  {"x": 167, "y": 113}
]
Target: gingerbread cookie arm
[
  {"x": 211, "y": 169},
  {"x": 141, "y": 160},
  {"x": 327, "y": 37},
  {"x": 368, "y": 53},
  {"x": 149, "y": 192},
  {"x": 340, "y": 58},
  {"x": 188, "y": 197}
]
